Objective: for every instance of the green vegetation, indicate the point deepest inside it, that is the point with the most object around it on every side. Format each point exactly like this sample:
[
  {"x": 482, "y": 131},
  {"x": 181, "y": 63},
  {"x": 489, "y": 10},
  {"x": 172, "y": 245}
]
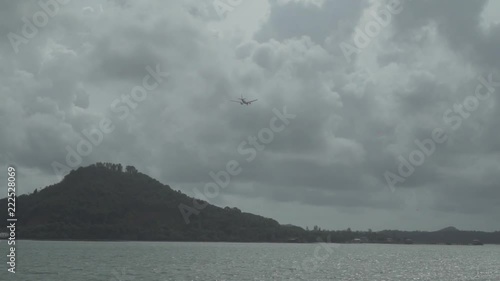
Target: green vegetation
[{"x": 106, "y": 201}]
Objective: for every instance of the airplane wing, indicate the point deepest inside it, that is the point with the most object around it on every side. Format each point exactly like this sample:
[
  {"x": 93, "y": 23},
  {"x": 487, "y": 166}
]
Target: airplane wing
[
  {"x": 236, "y": 101},
  {"x": 251, "y": 101}
]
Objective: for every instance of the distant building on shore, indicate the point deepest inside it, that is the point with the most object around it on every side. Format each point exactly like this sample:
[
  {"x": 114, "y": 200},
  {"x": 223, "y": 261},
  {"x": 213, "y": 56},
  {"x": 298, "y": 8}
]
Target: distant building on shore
[
  {"x": 477, "y": 242},
  {"x": 360, "y": 240}
]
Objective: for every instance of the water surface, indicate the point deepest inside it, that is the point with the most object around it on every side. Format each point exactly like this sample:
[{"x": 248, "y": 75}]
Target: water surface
[{"x": 155, "y": 261}]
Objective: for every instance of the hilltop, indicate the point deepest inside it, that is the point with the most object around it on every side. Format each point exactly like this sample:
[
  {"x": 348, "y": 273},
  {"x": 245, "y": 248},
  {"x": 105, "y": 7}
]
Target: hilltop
[{"x": 449, "y": 229}]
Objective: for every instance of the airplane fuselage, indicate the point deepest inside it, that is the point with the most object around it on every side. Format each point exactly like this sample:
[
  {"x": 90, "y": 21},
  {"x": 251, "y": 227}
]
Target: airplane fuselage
[{"x": 243, "y": 101}]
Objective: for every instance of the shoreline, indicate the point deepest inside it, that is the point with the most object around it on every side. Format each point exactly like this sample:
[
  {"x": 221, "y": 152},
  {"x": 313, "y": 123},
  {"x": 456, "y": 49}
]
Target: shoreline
[{"x": 245, "y": 242}]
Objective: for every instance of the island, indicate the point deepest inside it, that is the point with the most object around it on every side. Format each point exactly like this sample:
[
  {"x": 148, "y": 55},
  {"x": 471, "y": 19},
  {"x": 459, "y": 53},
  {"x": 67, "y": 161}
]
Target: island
[{"x": 109, "y": 202}]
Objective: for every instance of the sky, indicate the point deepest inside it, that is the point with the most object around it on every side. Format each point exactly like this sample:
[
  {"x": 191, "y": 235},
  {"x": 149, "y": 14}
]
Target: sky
[{"x": 370, "y": 114}]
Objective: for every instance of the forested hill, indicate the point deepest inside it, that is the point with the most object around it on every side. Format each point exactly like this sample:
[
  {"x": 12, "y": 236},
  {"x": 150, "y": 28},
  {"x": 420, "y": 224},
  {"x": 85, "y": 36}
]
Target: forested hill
[
  {"x": 109, "y": 202},
  {"x": 106, "y": 201}
]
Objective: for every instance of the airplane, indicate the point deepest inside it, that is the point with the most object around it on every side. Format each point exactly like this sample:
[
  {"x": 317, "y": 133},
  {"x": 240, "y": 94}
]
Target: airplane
[{"x": 243, "y": 101}]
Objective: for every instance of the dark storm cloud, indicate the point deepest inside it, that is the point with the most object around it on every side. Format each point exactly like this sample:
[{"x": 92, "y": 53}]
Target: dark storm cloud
[{"x": 348, "y": 131}]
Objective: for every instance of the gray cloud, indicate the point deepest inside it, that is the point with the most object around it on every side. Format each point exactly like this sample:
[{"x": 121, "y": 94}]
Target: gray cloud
[{"x": 327, "y": 166}]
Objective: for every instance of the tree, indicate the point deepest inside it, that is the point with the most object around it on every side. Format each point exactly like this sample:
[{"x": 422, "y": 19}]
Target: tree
[{"x": 131, "y": 170}]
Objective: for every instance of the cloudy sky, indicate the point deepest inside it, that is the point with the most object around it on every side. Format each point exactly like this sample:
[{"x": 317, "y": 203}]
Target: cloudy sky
[{"x": 368, "y": 99}]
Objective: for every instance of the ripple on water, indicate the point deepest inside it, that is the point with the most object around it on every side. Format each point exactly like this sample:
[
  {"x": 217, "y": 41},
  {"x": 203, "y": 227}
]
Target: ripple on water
[{"x": 131, "y": 261}]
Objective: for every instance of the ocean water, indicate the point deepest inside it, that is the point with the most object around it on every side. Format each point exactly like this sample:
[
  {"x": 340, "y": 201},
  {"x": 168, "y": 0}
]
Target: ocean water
[{"x": 155, "y": 261}]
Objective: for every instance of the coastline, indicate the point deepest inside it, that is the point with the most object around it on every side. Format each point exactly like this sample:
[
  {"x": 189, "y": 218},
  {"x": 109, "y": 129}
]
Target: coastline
[{"x": 245, "y": 242}]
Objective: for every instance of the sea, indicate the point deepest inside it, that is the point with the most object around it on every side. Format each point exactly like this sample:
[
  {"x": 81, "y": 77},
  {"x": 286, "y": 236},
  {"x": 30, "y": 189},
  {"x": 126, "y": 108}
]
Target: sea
[{"x": 161, "y": 261}]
